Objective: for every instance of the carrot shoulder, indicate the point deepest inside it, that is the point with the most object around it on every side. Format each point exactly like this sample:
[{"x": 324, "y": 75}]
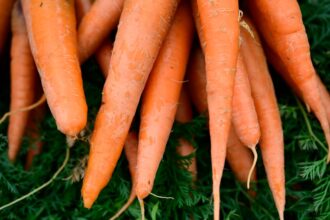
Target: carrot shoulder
[
  {"x": 161, "y": 97},
  {"x": 271, "y": 142},
  {"x": 143, "y": 26},
  {"x": 23, "y": 74},
  {"x": 51, "y": 27},
  {"x": 220, "y": 22}
]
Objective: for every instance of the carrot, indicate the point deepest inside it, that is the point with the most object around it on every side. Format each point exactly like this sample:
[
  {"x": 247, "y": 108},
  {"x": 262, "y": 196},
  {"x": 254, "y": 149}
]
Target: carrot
[
  {"x": 220, "y": 22},
  {"x": 23, "y": 75},
  {"x": 161, "y": 95},
  {"x": 54, "y": 49},
  {"x": 81, "y": 8},
  {"x": 184, "y": 114},
  {"x": 271, "y": 142},
  {"x": 131, "y": 148},
  {"x": 282, "y": 28},
  {"x": 196, "y": 76},
  {"x": 96, "y": 25},
  {"x": 239, "y": 158},
  {"x": 131, "y": 62},
  {"x": 5, "y": 10},
  {"x": 103, "y": 56}
]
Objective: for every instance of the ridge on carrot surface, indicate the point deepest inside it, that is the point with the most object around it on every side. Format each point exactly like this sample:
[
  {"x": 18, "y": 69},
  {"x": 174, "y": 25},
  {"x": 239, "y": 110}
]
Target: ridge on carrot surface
[
  {"x": 131, "y": 62},
  {"x": 51, "y": 27}
]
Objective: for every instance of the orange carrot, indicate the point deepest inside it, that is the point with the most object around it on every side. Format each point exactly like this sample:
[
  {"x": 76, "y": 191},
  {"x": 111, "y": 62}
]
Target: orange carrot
[
  {"x": 196, "y": 76},
  {"x": 239, "y": 158},
  {"x": 97, "y": 24},
  {"x": 131, "y": 62},
  {"x": 23, "y": 75},
  {"x": 5, "y": 10},
  {"x": 220, "y": 22},
  {"x": 81, "y": 8},
  {"x": 184, "y": 114},
  {"x": 54, "y": 49},
  {"x": 160, "y": 99},
  {"x": 282, "y": 28},
  {"x": 131, "y": 148},
  {"x": 271, "y": 142},
  {"x": 103, "y": 56}
]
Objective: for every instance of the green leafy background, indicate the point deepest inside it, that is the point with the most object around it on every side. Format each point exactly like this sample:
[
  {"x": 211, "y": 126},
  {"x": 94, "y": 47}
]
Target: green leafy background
[{"x": 307, "y": 176}]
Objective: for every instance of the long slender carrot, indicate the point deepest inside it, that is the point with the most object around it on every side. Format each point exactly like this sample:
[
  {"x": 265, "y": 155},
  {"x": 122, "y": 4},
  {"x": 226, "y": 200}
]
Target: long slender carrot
[
  {"x": 103, "y": 56},
  {"x": 51, "y": 27},
  {"x": 220, "y": 22},
  {"x": 271, "y": 142},
  {"x": 184, "y": 114},
  {"x": 23, "y": 75},
  {"x": 196, "y": 76},
  {"x": 161, "y": 95},
  {"x": 131, "y": 149},
  {"x": 131, "y": 62},
  {"x": 97, "y": 24},
  {"x": 81, "y": 8},
  {"x": 5, "y": 10},
  {"x": 282, "y": 28}
]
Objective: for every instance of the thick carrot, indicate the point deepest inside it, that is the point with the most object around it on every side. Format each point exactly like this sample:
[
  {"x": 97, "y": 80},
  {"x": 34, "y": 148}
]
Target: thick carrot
[
  {"x": 239, "y": 158},
  {"x": 51, "y": 26},
  {"x": 131, "y": 62},
  {"x": 160, "y": 99},
  {"x": 282, "y": 28},
  {"x": 23, "y": 74},
  {"x": 81, "y": 8},
  {"x": 5, "y": 10},
  {"x": 184, "y": 114},
  {"x": 196, "y": 76},
  {"x": 271, "y": 142},
  {"x": 131, "y": 148},
  {"x": 220, "y": 22},
  {"x": 97, "y": 24},
  {"x": 103, "y": 56}
]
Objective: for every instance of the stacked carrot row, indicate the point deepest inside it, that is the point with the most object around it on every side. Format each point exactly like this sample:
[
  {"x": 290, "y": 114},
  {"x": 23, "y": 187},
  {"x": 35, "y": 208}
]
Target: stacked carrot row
[{"x": 153, "y": 54}]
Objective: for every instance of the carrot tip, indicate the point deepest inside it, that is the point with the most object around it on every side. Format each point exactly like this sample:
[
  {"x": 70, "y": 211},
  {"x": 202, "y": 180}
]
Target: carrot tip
[
  {"x": 88, "y": 201},
  {"x": 142, "y": 190},
  {"x": 255, "y": 158},
  {"x": 142, "y": 208}
]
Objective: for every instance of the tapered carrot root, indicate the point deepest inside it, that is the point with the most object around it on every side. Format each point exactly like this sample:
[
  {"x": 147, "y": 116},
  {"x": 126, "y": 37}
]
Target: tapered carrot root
[
  {"x": 161, "y": 95},
  {"x": 131, "y": 146},
  {"x": 131, "y": 62},
  {"x": 184, "y": 114},
  {"x": 96, "y": 25},
  {"x": 282, "y": 28},
  {"x": 5, "y": 10},
  {"x": 23, "y": 75},
  {"x": 271, "y": 142},
  {"x": 219, "y": 19},
  {"x": 51, "y": 27}
]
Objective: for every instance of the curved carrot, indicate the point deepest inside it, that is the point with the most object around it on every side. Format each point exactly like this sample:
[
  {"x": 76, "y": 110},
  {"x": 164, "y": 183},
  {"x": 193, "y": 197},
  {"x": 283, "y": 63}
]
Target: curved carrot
[
  {"x": 103, "y": 56},
  {"x": 131, "y": 62},
  {"x": 54, "y": 49},
  {"x": 23, "y": 75},
  {"x": 160, "y": 98},
  {"x": 220, "y": 22},
  {"x": 184, "y": 114},
  {"x": 271, "y": 142},
  {"x": 5, "y": 10},
  {"x": 97, "y": 24},
  {"x": 196, "y": 76},
  {"x": 81, "y": 8},
  {"x": 131, "y": 148},
  {"x": 282, "y": 28}
]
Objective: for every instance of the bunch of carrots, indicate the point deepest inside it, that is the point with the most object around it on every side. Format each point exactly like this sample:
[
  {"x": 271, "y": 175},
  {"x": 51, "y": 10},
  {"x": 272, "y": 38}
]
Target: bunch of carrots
[{"x": 169, "y": 56}]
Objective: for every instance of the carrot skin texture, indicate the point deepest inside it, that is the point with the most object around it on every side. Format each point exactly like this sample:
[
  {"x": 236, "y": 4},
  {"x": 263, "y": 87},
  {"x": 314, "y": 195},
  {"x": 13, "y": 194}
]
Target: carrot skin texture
[
  {"x": 160, "y": 98},
  {"x": 271, "y": 141},
  {"x": 282, "y": 28},
  {"x": 51, "y": 27},
  {"x": 138, "y": 40},
  {"x": 5, "y": 13},
  {"x": 245, "y": 119},
  {"x": 219, "y": 19},
  {"x": 96, "y": 25},
  {"x": 23, "y": 74}
]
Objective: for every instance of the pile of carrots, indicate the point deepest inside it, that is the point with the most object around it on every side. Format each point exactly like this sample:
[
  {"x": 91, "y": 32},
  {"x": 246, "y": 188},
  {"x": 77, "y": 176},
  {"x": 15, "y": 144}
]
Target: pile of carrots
[{"x": 169, "y": 56}]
